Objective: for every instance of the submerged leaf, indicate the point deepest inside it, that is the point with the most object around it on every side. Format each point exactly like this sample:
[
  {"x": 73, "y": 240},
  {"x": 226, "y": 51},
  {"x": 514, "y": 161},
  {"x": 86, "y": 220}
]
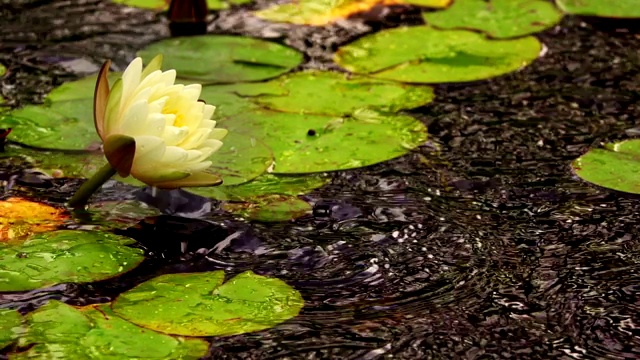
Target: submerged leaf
[
  {"x": 271, "y": 208},
  {"x": 200, "y": 304}
]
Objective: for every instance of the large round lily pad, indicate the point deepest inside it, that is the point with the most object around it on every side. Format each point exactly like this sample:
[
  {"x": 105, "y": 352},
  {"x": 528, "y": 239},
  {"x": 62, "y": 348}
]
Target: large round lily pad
[
  {"x": 323, "y": 12},
  {"x": 267, "y": 184},
  {"x": 616, "y": 166},
  {"x": 602, "y": 8},
  {"x": 60, "y": 331},
  {"x": 61, "y": 125},
  {"x": 315, "y": 143},
  {"x": 202, "y": 304},
  {"x": 10, "y": 326},
  {"x": 332, "y": 93},
  {"x": 164, "y": 4},
  {"x": 497, "y": 18},
  {"x": 56, "y": 164},
  {"x": 422, "y": 54},
  {"x": 223, "y": 59},
  {"x": 65, "y": 256}
]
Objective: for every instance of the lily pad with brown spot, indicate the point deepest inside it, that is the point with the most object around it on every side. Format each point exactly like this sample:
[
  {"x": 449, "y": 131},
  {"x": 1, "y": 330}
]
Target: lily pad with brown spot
[{"x": 20, "y": 218}]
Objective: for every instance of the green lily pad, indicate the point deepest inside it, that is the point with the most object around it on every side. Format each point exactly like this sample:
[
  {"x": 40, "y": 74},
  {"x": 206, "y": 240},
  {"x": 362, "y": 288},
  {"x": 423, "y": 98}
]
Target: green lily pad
[
  {"x": 332, "y": 93},
  {"x": 497, "y": 18},
  {"x": 3, "y": 70},
  {"x": 267, "y": 184},
  {"x": 81, "y": 89},
  {"x": 421, "y": 54},
  {"x": 315, "y": 143},
  {"x": 164, "y": 4},
  {"x": 222, "y": 58},
  {"x": 227, "y": 101},
  {"x": 242, "y": 158},
  {"x": 57, "y": 164},
  {"x": 602, "y": 8},
  {"x": 10, "y": 327},
  {"x": 66, "y": 125},
  {"x": 270, "y": 208},
  {"x": 65, "y": 256},
  {"x": 616, "y": 166},
  {"x": 323, "y": 12},
  {"x": 200, "y": 304},
  {"x": 60, "y": 331}
]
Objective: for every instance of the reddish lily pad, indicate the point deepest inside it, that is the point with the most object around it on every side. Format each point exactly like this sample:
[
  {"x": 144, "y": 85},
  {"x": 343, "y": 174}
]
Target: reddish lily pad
[
  {"x": 497, "y": 18},
  {"x": 60, "y": 331},
  {"x": 324, "y": 12},
  {"x": 20, "y": 218},
  {"x": 202, "y": 304},
  {"x": 421, "y": 54}
]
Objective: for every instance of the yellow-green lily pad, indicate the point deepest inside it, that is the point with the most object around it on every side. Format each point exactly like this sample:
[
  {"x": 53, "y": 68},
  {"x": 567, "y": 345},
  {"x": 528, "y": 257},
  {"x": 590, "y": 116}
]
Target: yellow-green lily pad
[
  {"x": 161, "y": 5},
  {"x": 203, "y": 304},
  {"x": 60, "y": 331},
  {"x": 616, "y": 166},
  {"x": 223, "y": 58},
  {"x": 63, "y": 256},
  {"x": 332, "y": 93},
  {"x": 497, "y": 18},
  {"x": 602, "y": 8},
  {"x": 10, "y": 327},
  {"x": 421, "y": 54},
  {"x": 317, "y": 143}
]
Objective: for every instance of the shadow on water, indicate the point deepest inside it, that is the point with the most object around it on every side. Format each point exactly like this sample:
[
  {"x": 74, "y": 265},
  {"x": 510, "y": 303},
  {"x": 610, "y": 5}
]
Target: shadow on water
[{"x": 486, "y": 248}]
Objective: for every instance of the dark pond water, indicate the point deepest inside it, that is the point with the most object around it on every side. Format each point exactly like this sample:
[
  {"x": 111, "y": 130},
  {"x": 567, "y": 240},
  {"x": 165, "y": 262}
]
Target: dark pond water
[{"x": 480, "y": 245}]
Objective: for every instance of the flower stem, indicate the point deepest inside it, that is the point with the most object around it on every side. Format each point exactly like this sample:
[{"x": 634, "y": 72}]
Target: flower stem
[{"x": 90, "y": 186}]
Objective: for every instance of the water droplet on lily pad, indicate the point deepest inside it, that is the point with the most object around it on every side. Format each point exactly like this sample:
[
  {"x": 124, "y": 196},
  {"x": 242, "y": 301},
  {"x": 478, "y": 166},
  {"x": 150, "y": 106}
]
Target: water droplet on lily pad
[
  {"x": 65, "y": 256},
  {"x": 203, "y": 304},
  {"x": 60, "y": 331}
]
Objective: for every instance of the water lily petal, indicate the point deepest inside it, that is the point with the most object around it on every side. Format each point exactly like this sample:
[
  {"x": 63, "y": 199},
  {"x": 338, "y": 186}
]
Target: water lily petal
[
  {"x": 111, "y": 117},
  {"x": 155, "y": 125},
  {"x": 154, "y": 177},
  {"x": 175, "y": 154},
  {"x": 195, "y": 139},
  {"x": 218, "y": 134},
  {"x": 149, "y": 150},
  {"x": 134, "y": 120},
  {"x": 195, "y": 179},
  {"x": 174, "y": 135},
  {"x": 100, "y": 98},
  {"x": 154, "y": 65},
  {"x": 130, "y": 81},
  {"x": 208, "y": 112},
  {"x": 192, "y": 92},
  {"x": 213, "y": 144}
]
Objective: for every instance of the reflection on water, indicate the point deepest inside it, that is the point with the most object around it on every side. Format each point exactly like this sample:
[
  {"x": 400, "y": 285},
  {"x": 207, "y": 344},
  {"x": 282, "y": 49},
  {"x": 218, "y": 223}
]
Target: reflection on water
[{"x": 486, "y": 248}]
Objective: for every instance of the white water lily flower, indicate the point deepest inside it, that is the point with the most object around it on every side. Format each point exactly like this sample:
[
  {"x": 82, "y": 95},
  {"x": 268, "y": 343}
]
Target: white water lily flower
[{"x": 155, "y": 130}]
